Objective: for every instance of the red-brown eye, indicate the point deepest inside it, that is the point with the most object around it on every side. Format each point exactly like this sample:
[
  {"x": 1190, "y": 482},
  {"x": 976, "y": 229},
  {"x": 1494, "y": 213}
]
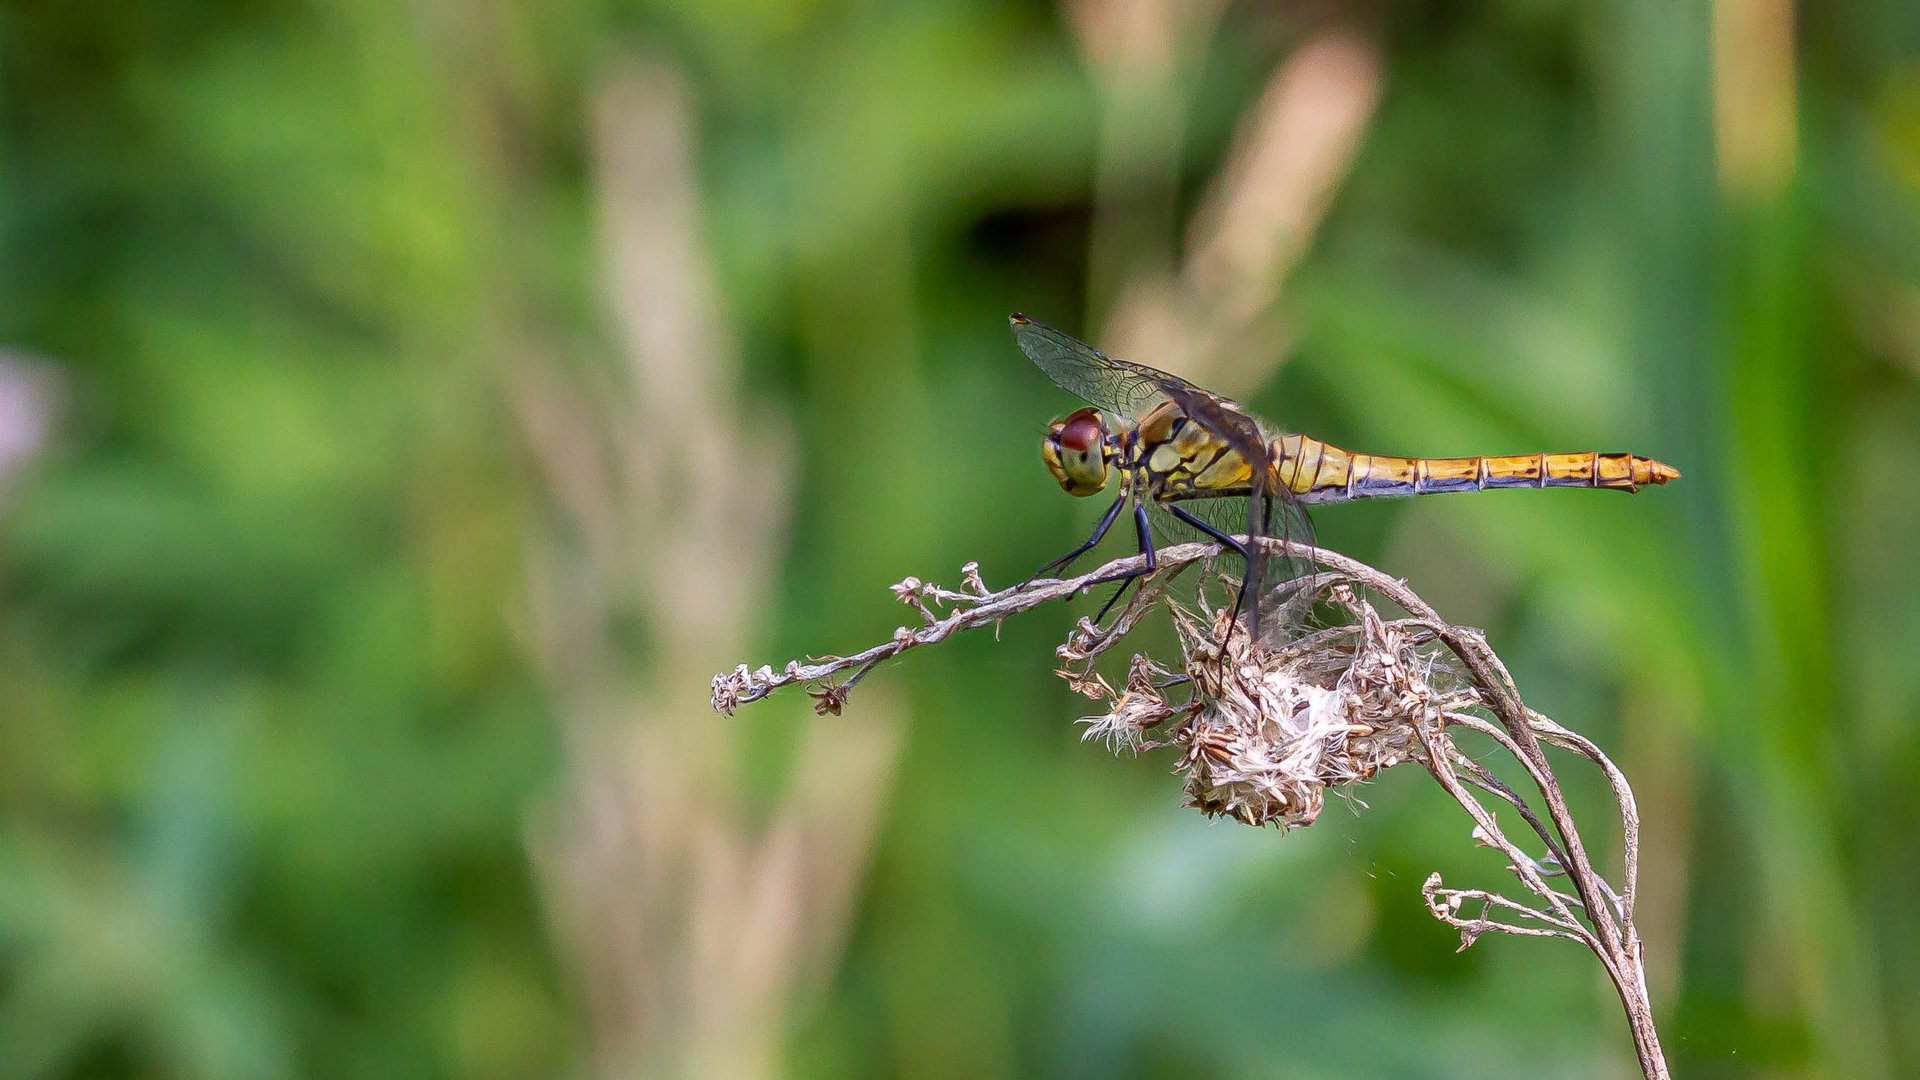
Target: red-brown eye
[{"x": 1082, "y": 431}]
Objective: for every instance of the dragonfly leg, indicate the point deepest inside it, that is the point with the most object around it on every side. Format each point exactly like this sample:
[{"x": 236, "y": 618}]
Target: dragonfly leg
[
  {"x": 1126, "y": 578},
  {"x": 1260, "y": 513},
  {"x": 1247, "y": 582},
  {"x": 1099, "y": 531}
]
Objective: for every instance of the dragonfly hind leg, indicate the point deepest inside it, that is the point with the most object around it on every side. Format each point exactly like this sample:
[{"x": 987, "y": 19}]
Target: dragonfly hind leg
[{"x": 1248, "y": 582}]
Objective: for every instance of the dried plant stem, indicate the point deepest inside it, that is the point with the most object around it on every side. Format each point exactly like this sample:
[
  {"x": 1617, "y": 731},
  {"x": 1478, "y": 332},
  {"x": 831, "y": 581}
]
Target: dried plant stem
[
  {"x": 1609, "y": 930},
  {"x": 1377, "y": 687},
  {"x": 981, "y": 608},
  {"x": 1613, "y": 939}
]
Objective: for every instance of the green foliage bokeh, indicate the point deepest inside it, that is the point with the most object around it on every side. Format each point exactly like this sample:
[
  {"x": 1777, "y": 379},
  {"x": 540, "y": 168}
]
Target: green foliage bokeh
[{"x": 271, "y": 735}]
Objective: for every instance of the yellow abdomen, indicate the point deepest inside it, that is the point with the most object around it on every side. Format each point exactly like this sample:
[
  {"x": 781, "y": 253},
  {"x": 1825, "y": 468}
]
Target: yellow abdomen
[{"x": 1317, "y": 471}]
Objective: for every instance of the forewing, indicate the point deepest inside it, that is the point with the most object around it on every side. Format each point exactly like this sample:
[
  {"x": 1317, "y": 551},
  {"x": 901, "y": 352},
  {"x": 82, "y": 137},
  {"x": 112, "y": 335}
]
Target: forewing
[
  {"x": 1128, "y": 389},
  {"x": 1120, "y": 387}
]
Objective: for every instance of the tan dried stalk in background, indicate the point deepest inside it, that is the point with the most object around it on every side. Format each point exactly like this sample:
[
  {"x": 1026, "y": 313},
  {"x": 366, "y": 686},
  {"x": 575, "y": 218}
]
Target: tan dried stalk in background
[{"x": 693, "y": 929}]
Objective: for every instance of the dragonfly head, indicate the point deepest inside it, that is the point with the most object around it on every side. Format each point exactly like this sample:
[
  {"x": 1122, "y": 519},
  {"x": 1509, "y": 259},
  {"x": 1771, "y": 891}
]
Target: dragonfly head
[{"x": 1076, "y": 452}]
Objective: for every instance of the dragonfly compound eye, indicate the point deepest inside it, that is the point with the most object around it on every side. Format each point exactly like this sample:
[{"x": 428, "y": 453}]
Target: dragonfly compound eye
[{"x": 1075, "y": 451}]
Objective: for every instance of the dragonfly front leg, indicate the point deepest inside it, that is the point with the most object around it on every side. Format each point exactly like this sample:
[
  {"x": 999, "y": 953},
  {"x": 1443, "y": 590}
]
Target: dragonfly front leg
[
  {"x": 1099, "y": 531},
  {"x": 1128, "y": 577}
]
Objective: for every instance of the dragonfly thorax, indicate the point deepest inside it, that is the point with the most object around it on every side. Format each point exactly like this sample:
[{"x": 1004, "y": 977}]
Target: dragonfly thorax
[{"x": 1078, "y": 452}]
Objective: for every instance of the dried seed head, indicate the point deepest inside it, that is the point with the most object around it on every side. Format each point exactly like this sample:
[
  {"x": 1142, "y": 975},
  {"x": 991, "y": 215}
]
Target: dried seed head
[
  {"x": 1267, "y": 730},
  {"x": 1135, "y": 711}
]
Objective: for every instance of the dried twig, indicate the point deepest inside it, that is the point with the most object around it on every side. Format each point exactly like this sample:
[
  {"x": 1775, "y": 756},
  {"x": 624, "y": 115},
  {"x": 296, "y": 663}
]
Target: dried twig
[{"x": 1266, "y": 727}]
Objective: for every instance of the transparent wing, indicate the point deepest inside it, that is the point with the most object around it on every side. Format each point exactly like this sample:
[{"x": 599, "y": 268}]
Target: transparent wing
[
  {"x": 1119, "y": 386},
  {"x": 1127, "y": 389},
  {"x": 1283, "y": 611}
]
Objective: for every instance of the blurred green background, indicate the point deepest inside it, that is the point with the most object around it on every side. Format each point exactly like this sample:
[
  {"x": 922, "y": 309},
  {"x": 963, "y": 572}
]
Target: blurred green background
[{"x": 405, "y": 408}]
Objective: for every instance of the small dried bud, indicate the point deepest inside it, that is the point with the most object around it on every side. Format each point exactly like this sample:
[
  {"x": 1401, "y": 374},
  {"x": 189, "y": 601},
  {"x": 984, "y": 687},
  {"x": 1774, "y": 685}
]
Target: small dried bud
[
  {"x": 828, "y": 699},
  {"x": 1086, "y": 683},
  {"x": 970, "y": 576},
  {"x": 735, "y": 688},
  {"x": 728, "y": 688}
]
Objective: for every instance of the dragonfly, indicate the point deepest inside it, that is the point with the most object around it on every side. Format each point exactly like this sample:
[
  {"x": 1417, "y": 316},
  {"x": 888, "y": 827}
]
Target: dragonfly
[{"x": 1193, "y": 463}]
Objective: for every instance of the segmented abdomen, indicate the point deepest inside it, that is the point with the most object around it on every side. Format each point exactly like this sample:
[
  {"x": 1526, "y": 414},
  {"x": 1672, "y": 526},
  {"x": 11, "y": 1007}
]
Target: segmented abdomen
[{"x": 1317, "y": 471}]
